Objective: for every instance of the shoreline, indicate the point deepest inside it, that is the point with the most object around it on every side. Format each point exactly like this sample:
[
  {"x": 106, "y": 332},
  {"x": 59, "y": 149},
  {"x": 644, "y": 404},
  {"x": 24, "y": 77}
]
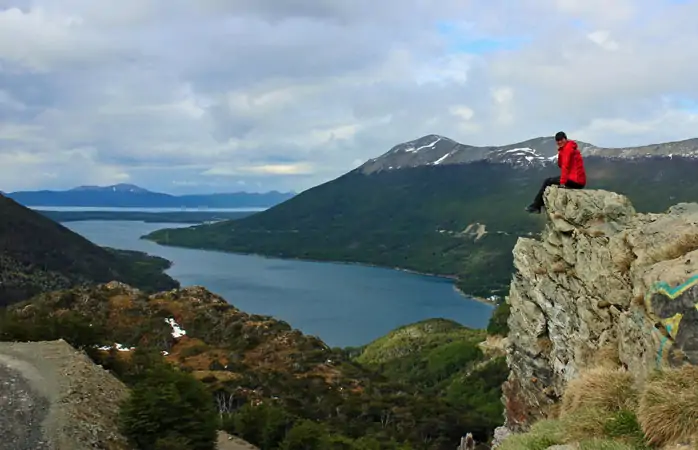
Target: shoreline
[
  {"x": 452, "y": 278},
  {"x": 473, "y": 297}
]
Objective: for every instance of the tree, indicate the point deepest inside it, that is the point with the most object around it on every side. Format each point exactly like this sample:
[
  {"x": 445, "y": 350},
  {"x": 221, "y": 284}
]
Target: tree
[
  {"x": 306, "y": 435},
  {"x": 263, "y": 425},
  {"x": 168, "y": 405},
  {"x": 498, "y": 321}
]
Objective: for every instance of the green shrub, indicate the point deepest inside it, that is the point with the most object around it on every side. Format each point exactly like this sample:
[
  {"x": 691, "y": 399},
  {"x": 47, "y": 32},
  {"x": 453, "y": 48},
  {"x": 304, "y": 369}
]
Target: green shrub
[
  {"x": 75, "y": 328},
  {"x": 264, "y": 425},
  {"x": 450, "y": 358},
  {"x": 172, "y": 442},
  {"x": 498, "y": 324},
  {"x": 624, "y": 425},
  {"x": 306, "y": 435},
  {"x": 168, "y": 405}
]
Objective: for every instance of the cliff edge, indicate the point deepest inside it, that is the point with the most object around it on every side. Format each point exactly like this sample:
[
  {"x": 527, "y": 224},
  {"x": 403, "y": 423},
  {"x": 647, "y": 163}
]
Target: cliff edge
[{"x": 602, "y": 286}]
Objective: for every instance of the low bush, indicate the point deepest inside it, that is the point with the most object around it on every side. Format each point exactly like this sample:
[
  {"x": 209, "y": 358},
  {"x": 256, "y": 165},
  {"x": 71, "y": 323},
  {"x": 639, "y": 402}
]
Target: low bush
[{"x": 169, "y": 406}]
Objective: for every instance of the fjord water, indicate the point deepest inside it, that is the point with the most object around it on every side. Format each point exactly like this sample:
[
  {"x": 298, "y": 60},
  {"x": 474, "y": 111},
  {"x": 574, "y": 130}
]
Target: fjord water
[{"x": 344, "y": 305}]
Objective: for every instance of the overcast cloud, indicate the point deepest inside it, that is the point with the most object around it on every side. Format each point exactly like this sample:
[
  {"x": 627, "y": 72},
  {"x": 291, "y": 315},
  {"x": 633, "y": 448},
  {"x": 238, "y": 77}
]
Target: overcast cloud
[{"x": 226, "y": 95}]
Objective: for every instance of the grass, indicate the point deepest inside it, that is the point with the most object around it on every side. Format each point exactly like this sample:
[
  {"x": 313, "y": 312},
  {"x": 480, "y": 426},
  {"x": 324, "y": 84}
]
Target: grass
[
  {"x": 668, "y": 409},
  {"x": 600, "y": 388},
  {"x": 604, "y": 409},
  {"x": 543, "y": 434}
]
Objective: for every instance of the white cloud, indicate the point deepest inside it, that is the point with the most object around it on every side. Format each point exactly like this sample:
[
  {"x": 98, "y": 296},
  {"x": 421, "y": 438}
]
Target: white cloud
[
  {"x": 219, "y": 94},
  {"x": 603, "y": 39}
]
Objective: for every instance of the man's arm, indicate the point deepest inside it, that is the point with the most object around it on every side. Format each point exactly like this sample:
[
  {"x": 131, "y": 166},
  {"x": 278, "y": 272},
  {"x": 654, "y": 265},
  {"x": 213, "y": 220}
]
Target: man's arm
[{"x": 564, "y": 158}]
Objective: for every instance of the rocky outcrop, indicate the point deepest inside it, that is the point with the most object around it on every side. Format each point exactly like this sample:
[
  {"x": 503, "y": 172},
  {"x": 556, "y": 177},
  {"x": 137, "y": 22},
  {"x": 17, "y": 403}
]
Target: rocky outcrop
[{"x": 603, "y": 285}]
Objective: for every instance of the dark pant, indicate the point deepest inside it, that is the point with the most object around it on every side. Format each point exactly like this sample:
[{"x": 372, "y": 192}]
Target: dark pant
[{"x": 538, "y": 202}]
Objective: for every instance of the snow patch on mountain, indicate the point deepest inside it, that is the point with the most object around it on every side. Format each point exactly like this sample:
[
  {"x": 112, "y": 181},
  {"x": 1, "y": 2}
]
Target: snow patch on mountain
[{"x": 440, "y": 160}]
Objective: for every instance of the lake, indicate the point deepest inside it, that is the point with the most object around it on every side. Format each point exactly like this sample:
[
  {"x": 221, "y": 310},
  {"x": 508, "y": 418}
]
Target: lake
[
  {"x": 143, "y": 209},
  {"x": 343, "y": 304}
]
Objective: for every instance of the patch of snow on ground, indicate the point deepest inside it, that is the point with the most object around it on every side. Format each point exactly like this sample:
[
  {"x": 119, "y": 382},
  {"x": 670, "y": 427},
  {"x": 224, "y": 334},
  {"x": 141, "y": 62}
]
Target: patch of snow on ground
[
  {"x": 177, "y": 331},
  {"x": 118, "y": 347}
]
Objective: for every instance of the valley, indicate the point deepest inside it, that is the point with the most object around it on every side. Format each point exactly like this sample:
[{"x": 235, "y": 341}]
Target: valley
[
  {"x": 234, "y": 359},
  {"x": 423, "y": 218}
]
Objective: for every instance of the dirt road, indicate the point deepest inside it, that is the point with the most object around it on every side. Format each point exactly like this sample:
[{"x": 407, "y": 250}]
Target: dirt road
[{"x": 54, "y": 397}]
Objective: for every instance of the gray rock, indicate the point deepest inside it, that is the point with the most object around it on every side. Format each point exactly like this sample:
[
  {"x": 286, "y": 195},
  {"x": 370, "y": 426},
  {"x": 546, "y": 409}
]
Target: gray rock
[
  {"x": 500, "y": 434},
  {"x": 597, "y": 289}
]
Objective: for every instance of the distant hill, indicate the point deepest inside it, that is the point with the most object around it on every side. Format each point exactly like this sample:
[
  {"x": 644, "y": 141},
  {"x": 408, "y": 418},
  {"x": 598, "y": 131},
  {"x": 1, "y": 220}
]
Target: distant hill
[
  {"x": 39, "y": 255},
  {"x": 130, "y": 196},
  {"x": 460, "y": 219}
]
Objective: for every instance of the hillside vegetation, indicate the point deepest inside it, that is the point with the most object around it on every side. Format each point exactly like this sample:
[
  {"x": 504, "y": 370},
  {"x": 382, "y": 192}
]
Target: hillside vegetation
[
  {"x": 39, "y": 255},
  {"x": 416, "y": 218},
  {"x": 270, "y": 384},
  {"x": 444, "y": 359}
]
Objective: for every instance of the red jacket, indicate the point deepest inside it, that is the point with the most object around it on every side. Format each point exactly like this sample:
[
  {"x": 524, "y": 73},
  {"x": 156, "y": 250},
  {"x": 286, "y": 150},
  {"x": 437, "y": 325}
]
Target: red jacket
[{"x": 570, "y": 162}]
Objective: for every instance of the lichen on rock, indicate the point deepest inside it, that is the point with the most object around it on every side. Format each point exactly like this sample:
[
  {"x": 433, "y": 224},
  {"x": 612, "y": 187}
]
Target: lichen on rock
[{"x": 602, "y": 286}]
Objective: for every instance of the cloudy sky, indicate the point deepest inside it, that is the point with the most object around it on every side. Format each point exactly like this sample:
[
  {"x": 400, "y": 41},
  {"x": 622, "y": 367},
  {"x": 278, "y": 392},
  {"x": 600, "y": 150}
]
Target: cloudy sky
[{"x": 227, "y": 95}]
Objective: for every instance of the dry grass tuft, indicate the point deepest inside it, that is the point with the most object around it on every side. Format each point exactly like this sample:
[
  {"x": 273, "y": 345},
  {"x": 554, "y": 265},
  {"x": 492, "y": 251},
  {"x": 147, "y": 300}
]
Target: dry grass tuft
[
  {"x": 596, "y": 233},
  {"x": 559, "y": 267},
  {"x": 668, "y": 409},
  {"x": 584, "y": 423},
  {"x": 540, "y": 270},
  {"x": 679, "y": 247},
  {"x": 624, "y": 261},
  {"x": 545, "y": 345},
  {"x": 600, "y": 388},
  {"x": 607, "y": 357}
]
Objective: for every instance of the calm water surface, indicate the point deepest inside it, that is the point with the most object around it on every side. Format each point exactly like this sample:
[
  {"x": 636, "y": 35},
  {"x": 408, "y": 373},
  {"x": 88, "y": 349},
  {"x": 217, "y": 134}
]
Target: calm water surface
[{"x": 344, "y": 305}]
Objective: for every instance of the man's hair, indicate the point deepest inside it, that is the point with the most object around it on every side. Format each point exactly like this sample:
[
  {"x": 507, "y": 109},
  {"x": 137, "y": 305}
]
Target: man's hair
[{"x": 560, "y": 135}]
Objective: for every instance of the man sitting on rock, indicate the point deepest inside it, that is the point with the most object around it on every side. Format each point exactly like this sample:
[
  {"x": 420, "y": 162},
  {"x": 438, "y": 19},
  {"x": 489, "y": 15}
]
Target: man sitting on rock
[{"x": 572, "y": 174}]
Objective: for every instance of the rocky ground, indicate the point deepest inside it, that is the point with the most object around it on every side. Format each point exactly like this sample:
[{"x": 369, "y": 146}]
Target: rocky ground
[
  {"x": 22, "y": 411},
  {"x": 228, "y": 442}
]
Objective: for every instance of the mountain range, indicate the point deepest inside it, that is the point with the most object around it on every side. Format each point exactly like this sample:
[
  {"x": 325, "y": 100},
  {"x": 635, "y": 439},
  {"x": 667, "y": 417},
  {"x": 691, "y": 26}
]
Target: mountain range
[
  {"x": 131, "y": 196},
  {"x": 435, "y": 150},
  {"x": 435, "y": 206}
]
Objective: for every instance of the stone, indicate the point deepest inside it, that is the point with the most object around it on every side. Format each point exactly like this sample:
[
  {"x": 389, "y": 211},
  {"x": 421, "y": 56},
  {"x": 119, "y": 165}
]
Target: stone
[
  {"x": 500, "y": 434},
  {"x": 602, "y": 279}
]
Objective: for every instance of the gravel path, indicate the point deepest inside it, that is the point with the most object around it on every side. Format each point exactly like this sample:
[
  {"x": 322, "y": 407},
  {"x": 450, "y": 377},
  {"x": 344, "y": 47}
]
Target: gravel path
[{"x": 22, "y": 410}]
